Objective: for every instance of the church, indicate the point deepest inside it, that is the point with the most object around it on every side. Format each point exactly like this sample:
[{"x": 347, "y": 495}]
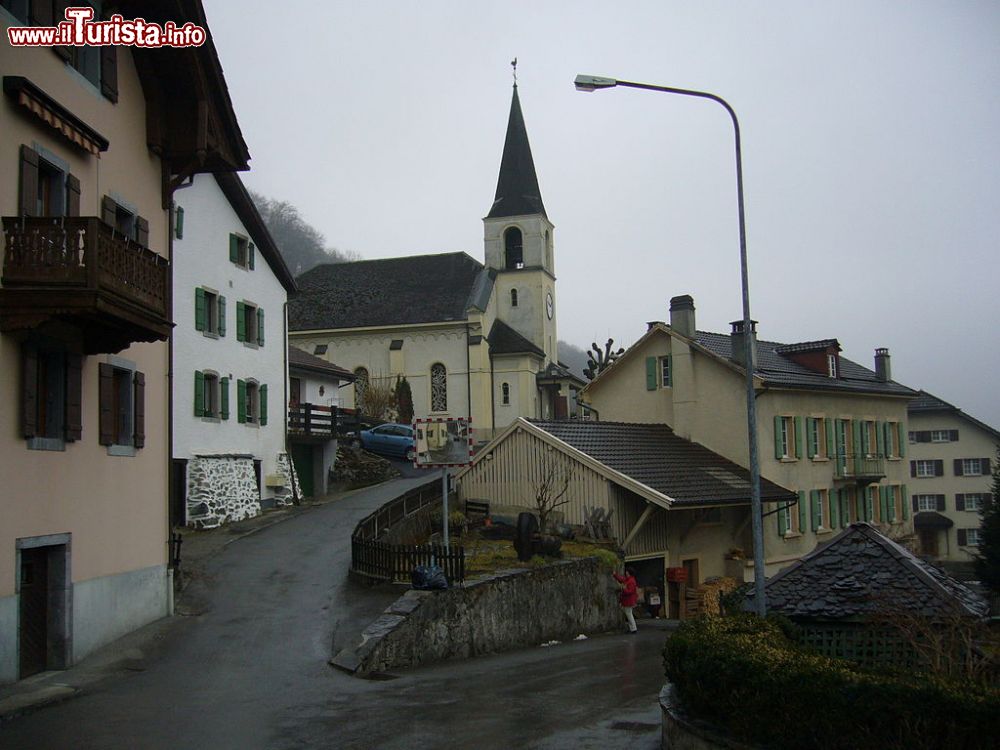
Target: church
[{"x": 473, "y": 340}]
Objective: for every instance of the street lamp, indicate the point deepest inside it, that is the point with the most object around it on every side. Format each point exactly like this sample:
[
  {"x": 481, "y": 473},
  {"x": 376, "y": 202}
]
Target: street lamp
[{"x": 594, "y": 83}]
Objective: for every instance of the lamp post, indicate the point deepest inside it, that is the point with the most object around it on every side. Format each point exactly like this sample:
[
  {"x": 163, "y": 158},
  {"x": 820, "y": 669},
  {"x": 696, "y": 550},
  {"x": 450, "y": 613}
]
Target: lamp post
[{"x": 594, "y": 83}]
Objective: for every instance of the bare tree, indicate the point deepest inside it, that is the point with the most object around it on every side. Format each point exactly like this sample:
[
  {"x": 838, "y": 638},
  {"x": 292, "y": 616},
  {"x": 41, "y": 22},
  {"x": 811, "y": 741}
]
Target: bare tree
[
  {"x": 378, "y": 398},
  {"x": 551, "y": 489},
  {"x": 600, "y": 361}
]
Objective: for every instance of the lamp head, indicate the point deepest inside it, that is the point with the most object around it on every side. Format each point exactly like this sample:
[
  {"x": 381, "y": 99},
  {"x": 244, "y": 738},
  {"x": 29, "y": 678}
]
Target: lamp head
[{"x": 592, "y": 83}]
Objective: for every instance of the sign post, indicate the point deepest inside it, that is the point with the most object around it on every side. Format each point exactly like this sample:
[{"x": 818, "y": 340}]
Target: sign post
[{"x": 442, "y": 442}]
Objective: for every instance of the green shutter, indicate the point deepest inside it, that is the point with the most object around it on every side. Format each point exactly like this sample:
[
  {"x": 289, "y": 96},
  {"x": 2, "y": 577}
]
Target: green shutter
[
  {"x": 803, "y": 512},
  {"x": 670, "y": 370},
  {"x": 831, "y": 446},
  {"x": 222, "y": 315},
  {"x": 224, "y": 397},
  {"x": 241, "y": 322},
  {"x": 798, "y": 437},
  {"x": 901, "y": 439},
  {"x": 845, "y": 509},
  {"x": 880, "y": 442},
  {"x": 179, "y": 223},
  {"x": 904, "y": 501},
  {"x": 883, "y": 504},
  {"x": 262, "y": 393},
  {"x": 260, "y": 326},
  {"x": 782, "y": 523},
  {"x": 779, "y": 449},
  {"x": 234, "y": 248},
  {"x": 200, "y": 312},
  {"x": 815, "y": 509},
  {"x": 199, "y": 393},
  {"x": 812, "y": 437},
  {"x": 834, "y": 509},
  {"x": 250, "y": 254},
  {"x": 869, "y": 504},
  {"x": 241, "y": 401},
  {"x": 650, "y": 373},
  {"x": 890, "y": 503},
  {"x": 839, "y": 443}
]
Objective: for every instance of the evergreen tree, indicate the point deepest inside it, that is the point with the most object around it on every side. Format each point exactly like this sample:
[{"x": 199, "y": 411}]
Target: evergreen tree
[
  {"x": 404, "y": 400},
  {"x": 988, "y": 554}
]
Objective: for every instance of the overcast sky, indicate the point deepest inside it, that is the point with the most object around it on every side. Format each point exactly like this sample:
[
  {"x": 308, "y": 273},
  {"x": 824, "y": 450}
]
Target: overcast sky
[{"x": 871, "y": 152}]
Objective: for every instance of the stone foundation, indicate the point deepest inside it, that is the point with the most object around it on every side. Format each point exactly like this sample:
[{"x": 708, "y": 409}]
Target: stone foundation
[
  {"x": 286, "y": 469},
  {"x": 221, "y": 489}
]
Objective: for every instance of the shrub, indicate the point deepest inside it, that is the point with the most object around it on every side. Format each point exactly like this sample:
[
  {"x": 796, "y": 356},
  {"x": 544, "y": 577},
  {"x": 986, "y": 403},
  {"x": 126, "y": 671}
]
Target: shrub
[
  {"x": 745, "y": 676},
  {"x": 608, "y": 558}
]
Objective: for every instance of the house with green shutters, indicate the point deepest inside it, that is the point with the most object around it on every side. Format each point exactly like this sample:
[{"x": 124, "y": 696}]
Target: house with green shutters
[
  {"x": 229, "y": 357},
  {"x": 828, "y": 428}
]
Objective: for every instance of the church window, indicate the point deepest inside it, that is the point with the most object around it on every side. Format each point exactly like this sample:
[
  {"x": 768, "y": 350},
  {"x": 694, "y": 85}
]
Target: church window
[
  {"x": 505, "y": 394},
  {"x": 439, "y": 387},
  {"x": 360, "y": 386},
  {"x": 513, "y": 249},
  {"x": 513, "y": 298}
]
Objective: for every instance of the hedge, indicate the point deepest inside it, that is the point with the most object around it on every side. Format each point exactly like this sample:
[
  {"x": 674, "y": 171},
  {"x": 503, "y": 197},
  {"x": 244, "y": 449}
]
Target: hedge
[{"x": 747, "y": 678}]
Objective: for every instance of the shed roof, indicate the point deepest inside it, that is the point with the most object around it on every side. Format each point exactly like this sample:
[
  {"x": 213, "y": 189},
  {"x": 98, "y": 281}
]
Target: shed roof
[{"x": 301, "y": 360}]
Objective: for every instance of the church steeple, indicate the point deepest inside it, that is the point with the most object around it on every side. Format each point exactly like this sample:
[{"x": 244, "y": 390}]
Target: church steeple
[{"x": 517, "y": 186}]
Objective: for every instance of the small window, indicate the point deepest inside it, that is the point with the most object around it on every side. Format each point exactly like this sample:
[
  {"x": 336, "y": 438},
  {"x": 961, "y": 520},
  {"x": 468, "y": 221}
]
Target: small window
[
  {"x": 665, "y": 375},
  {"x": 513, "y": 249},
  {"x": 974, "y": 501},
  {"x": 784, "y": 520},
  {"x": 209, "y": 312},
  {"x": 121, "y": 396},
  {"x": 972, "y": 467},
  {"x": 439, "y": 387},
  {"x": 926, "y": 502},
  {"x": 241, "y": 251},
  {"x": 249, "y": 323},
  {"x": 122, "y": 406},
  {"x": 892, "y": 440},
  {"x": 940, "y": 436},
  {"x": 52, "y": 194},
  {"x": 251, "y": 410},
  {"x": 925, "y": 469},
  {"x": 505, "y": 394},
  {"x": 251, "y": 402},
  {"x": 210, "y": 395},
  {"x": 785, "y": 437},
  {"x": 911, "y": 437},
  {"x": 513, "y": 298},
  {"x": 816, "y": 437},
  {"x": 831, "y": 365},
  {"x": 972, "y": 537},
  {"x": 868, "y": 439}
]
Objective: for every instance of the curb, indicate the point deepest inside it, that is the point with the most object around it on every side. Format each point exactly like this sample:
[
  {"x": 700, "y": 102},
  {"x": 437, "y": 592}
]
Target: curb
[{"x": 20, "y": 705}]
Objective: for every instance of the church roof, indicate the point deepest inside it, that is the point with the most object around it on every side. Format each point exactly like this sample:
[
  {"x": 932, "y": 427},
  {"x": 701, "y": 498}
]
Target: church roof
[
  {"x": 386, "y": 292},
  {"x": 517, "y": 186},
  {"x": 505, "y": 340}
]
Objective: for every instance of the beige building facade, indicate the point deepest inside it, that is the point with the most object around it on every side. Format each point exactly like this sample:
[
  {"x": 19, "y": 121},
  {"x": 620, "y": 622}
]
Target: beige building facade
[
  {"x": 86, "y": 168},
  {"x": 952, "y": 458},
  {"x": 828, "y": 429}
]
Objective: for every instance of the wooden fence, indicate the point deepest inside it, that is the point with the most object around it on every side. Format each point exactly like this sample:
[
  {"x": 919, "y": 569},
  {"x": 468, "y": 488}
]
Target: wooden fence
[{"x": 395, "y": 562}]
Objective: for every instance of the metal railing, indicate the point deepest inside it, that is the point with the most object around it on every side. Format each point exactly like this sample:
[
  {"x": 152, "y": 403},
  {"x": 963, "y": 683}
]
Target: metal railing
[{"x": 859, "y": 465}]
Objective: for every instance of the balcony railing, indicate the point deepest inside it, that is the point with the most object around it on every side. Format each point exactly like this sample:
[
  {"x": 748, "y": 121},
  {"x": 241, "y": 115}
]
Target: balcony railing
[
  {"x": 312, "y": 421},
  {"x": 860, "y": 466},
  {"x": 81, "y": 268}
]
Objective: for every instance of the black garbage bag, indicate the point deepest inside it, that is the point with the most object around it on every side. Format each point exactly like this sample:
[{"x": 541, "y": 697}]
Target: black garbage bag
[{"x": 428, "y": 578}]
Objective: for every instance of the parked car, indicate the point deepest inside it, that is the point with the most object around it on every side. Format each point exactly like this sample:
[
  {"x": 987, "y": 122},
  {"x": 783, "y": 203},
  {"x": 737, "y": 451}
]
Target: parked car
[{"x": 389, "y": 439}]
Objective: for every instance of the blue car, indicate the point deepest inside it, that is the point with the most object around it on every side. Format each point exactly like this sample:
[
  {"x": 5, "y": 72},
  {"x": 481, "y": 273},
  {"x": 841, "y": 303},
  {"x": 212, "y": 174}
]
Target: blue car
[{"x": 390, "y": 440}]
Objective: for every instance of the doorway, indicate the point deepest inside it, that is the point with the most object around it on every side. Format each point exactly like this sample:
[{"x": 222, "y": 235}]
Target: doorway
[
  {"x": 43, "y": 605},
  {"x": 178, "y": 492},
  {"x": 302, "y": 456}
]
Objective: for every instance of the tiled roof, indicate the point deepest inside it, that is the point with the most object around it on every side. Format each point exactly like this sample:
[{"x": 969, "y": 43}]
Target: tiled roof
[
  {"x": 808, "y": 346},
  {"x": 778, "y": 370},
  {"x": 927, "y": 403},
  {"x": 300, "y": 359},
  {"x": 653, "y": 455},
  {"x": 387, "y": 292},
  {"x": 861, "y": 572},
  {"x": 505, "y": 340}
]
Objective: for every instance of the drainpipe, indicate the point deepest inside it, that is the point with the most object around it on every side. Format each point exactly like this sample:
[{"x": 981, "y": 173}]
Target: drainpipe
[
  {"x": 468, "y": 373},
  {"x": 493, "y": 405},
  {"x": 171, "y": 489}
]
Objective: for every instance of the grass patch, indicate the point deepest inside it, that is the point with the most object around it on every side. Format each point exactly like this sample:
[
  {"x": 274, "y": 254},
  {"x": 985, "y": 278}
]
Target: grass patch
[{"x": 483, "y": 556}]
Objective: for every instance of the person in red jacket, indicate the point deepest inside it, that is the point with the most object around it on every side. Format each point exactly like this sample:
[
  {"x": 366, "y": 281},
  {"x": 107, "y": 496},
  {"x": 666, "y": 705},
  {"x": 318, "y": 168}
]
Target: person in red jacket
[{"x": 628, "y": 596}]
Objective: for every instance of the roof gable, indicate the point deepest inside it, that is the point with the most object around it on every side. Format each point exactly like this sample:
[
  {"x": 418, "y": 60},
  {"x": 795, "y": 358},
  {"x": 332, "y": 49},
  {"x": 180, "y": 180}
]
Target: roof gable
[{"x": 926, "y": 403}]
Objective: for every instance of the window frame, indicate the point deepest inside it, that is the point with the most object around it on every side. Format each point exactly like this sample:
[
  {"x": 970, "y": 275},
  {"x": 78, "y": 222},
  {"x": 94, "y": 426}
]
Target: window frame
[
  {"x": 125, "y": 381},
  {"x": 976, "y": 503},
  {"x": 505, "y": 394},
  {"x": 926, "y": 502},
  {"x": 936, "y": 436},
  {"x": 831, "y": 365},
  {"x": 923, "y": 463},
  {"x": 666, "y": 372},
  {"x": 976, "y": 464},
  {"x": 439, "y": 401},
  {"x": 973, "y": 537}
]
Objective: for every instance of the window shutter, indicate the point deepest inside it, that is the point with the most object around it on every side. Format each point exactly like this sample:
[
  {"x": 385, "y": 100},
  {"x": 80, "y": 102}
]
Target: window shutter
[
  {"x": 913, "y": 468},
  {"x": 798, "y": 437},
  {"x": 811, "y": 439},
  {"x": 856, "y": 446},
  {"x": 142, "y": 231},
  {"x": 835, "y": 510},
  {"x": 880, "y": 440},
  {"x": 939, "y": 468},
  {"x": 224, "y": 397},
  {"x": 840, "y": 445},
  {"x": 803, "y": 512},
  {"x": 260, "y": 326},
  {"x": 958, "y": 467},
  {"x": 960, "y": 501},
  {"x": 72, "y": 195},
  {"x": 29, "y": 392},
  {"x": 73, "y": 425},
  {"x": 650, "y": 373},
  {"x": 109, "y": 72},
  {"x": 106, "y": 398},
  {"x": 109, "y": 211},
  {"x": 984, "y": 466},
  {"x": 830, "y": 445},
  {"x": 250, "y": 254},
  {"x": 782, "y": 523},
  {"x": 915, "y": 504},
  {"x": 200, "y": 312},
  {"x": 241, "y": 322},
  {"x": 901, "y": 439},
  {"x": 234, "y": 248},
  {"x": 962, "y": 538},
  {"x": 199, "y": 393},
  {"x": 29, "y": 180},
  {"x": 222, "y": 315},
  {"x": 241, "y": 401},
  {"x": 883, "y": 504},
  {"x": 953, "y": 435},
  {"x": 262, "y": 395},
  {"x": 904, "y": 502},
  {"x": 179, "y": 222},
  {"x": 942, "y": 503},
  {"x": 779, "y": 449},
  {"x": 869, "y": 504},
  {"x": 890, "y": 503},
  {"x": 139, "y": 429},
  {"x": 814, "y": 507}
]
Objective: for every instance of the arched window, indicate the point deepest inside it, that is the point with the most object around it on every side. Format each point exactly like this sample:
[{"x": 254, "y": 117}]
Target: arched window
[
  {"x": 513, "y": 249},
  {"x": 513, "y": 298},
  {"x": 505, "y": 394},
  {"x": 360, "y": 387},
  {"x": 439, "y": 387}
]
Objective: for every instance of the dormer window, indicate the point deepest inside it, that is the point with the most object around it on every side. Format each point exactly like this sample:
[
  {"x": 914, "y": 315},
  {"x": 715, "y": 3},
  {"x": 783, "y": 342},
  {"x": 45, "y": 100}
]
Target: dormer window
[
  {"x": 513, "y": 246},
  {"x": 831, "y": 365}
]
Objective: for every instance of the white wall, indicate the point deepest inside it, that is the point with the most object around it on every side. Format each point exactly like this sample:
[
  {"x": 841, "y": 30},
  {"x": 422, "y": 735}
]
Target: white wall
[{"x": 201, "y": 258}]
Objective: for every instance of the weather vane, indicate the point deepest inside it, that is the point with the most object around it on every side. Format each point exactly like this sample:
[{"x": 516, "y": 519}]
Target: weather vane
[{"x": 513, "y": 64}]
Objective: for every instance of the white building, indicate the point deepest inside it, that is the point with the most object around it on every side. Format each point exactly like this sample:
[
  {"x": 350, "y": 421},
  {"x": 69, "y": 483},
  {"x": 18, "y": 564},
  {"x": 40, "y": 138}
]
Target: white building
[{"x": 229, "y": 356}]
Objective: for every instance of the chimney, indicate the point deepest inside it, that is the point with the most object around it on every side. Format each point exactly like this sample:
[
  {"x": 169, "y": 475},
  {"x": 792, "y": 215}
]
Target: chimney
[
  {"x": 682, "y": 315},
  {"x": 651, "y": 323},
  {"x": 883, "y": 371},
  {"x": 738, "y": 343}
]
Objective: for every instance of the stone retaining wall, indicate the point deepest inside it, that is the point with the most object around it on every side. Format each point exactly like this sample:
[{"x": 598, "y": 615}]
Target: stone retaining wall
[
  {"x": 514, "y": 609},
  {"x": 221, "y": 489}
]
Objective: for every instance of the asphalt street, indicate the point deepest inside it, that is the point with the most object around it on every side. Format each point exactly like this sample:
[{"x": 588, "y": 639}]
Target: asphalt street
[{"x": 247, "y": 668}]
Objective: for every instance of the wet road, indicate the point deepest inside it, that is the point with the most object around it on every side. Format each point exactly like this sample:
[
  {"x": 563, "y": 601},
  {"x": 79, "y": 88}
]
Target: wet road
[{"x": 250, "y": 669}]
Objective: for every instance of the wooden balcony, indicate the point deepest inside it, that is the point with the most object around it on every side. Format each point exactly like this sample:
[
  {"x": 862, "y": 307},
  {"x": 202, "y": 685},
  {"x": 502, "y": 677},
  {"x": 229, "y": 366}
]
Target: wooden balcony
[
  {"x": 78, "y": 276},
  {"x": 860, "y": 467},
  {"x": 312, "y": 423}
]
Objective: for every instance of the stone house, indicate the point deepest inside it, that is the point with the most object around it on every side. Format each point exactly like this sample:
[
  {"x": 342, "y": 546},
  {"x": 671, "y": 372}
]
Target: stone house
[
  {"x": 229, "y": 353},
  {"x": 95, "y": 141},
  {"x": 951, "y": 464},
  {"x": 474, "y": 340},
  {"x": 827, "y": 428}
]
